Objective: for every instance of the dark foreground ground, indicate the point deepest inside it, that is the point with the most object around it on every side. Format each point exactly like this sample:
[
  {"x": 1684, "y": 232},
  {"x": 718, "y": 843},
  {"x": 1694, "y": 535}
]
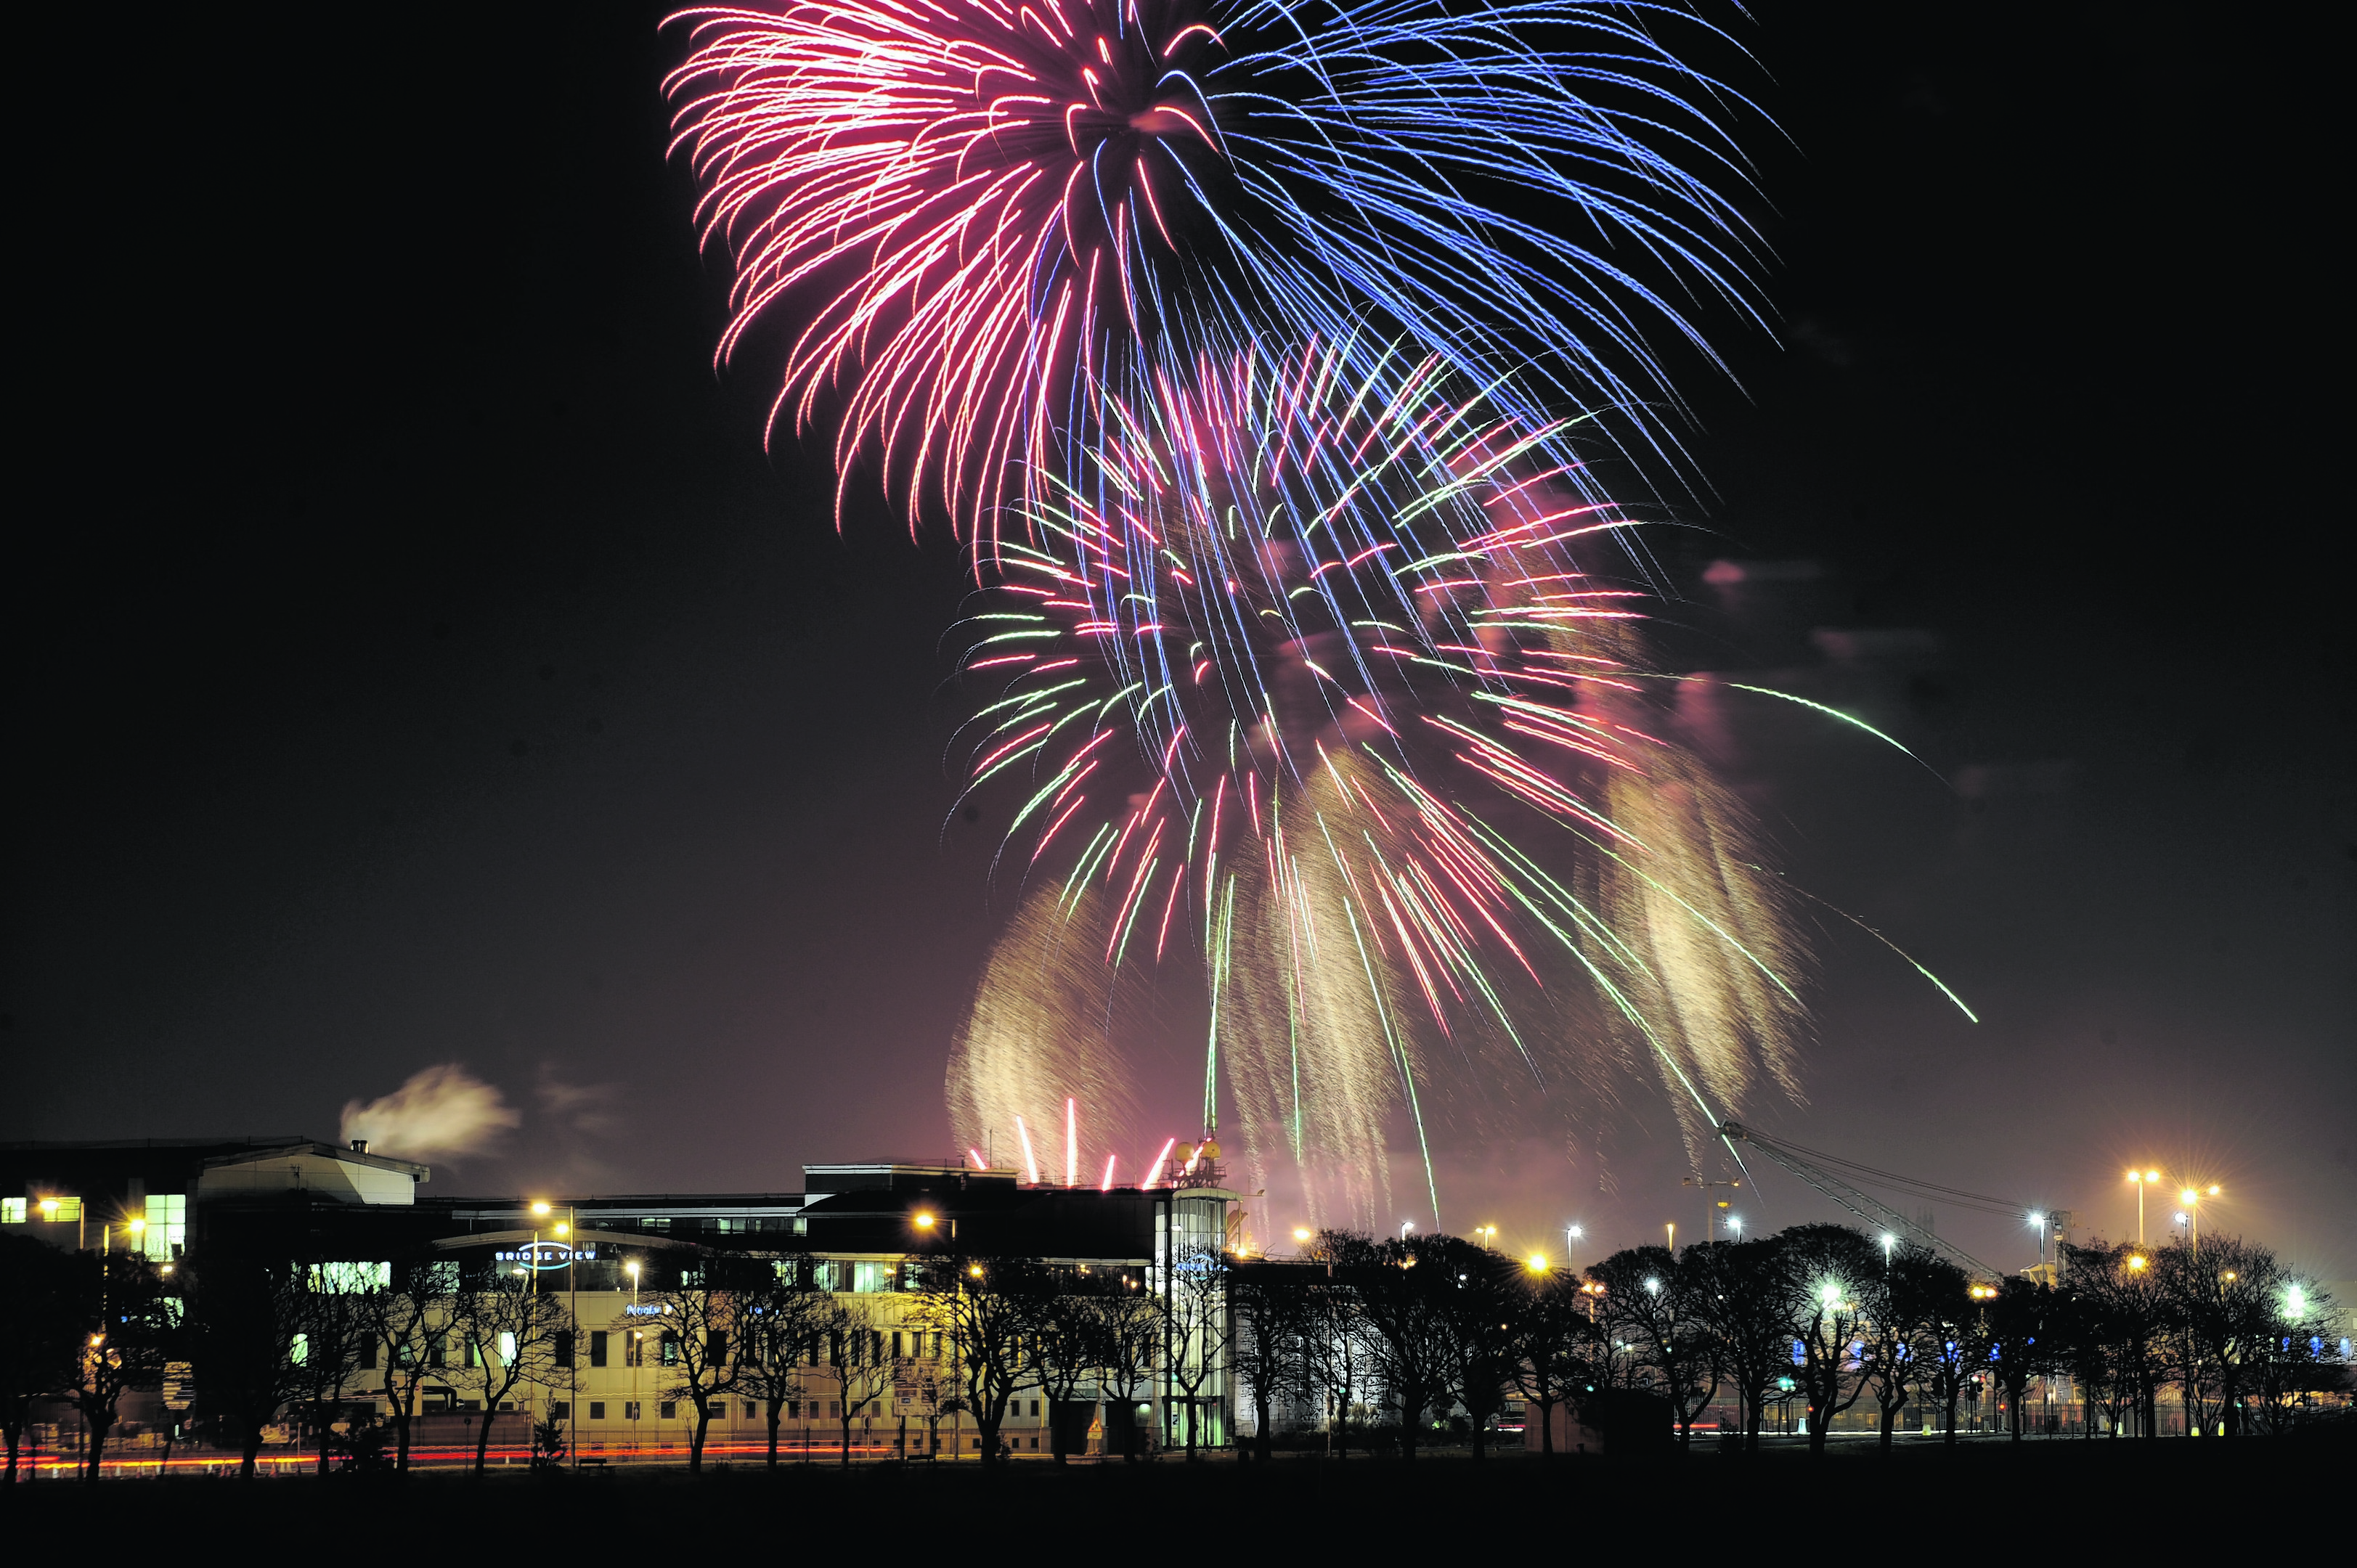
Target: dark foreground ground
[{"x": 1161, "y": 1507}]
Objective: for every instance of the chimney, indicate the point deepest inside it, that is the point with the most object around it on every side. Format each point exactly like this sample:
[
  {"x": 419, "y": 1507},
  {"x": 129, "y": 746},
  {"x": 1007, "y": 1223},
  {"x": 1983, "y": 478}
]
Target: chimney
[{"x": 360, "y": 1146}]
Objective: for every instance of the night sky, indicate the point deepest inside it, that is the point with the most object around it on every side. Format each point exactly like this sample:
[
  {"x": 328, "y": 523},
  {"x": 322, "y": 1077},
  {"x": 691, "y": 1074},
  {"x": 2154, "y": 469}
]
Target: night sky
[{"x": 417, "y": 659}]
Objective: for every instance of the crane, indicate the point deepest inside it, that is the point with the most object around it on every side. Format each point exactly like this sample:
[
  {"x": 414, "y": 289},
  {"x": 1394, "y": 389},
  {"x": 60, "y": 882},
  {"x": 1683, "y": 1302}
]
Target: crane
[{"x": 1809, "y": 1164}]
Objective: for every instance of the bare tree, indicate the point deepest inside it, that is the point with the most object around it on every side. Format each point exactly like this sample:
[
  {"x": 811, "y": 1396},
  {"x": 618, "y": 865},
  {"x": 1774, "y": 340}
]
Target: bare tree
[
  {"x": 853, "y": 1361},
  {"x": 1652, "y": 1304},
  {"x": 1742, "y": 1295},
  {"x": 1130, "y": 1322},
  {"x": 1340, "y": 1360},
  {"x": 401, "y": 1321},
  {"x": 1550, "y": 1362},
  {"x": 129, "y": 1329},
  {"x": 1067, "y": 1350},
  {"x": 1902, "y": 1316},
  {"x": 2224, "y": 1297},
  {"x": 1959, "y": 1348},
  {"x": 1486, "y": 1312},
  {"x": 2022, "y": 1317},
  {"x": 984, "y": 1309},
  {"x": 1831, "y": 1270},
  {"x": 1198, "y": 1327},
  {"x": 250, "y": 1327},
  {"x": 42, "y": 1336},
  {"x": 698, "y": 1319},
  {"x": 779, "y": 1319},
  {"x": 328, "y": 1350},
  {"x": 1404, "y": 1289},
  {"x": 510, "y": 1335},
  {"x": 1273, "y": 1313}
]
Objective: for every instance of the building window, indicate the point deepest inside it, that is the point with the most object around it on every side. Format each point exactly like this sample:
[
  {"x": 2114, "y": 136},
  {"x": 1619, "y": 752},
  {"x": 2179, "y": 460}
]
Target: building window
[
  {"x": 596, "y": 1410},
  {"x": 596, "y": 1347},
  {"x": 634, "y": 1348},
  {"x": 1035, "y": 1415},
  {"x": 667, "y": 1411},
  {"x": 564, "y": 1348},
  {"x": 58, "y": 1209},
  {"x": 168, "y": 1224},
  {"x": 671, "y": 1348},
  {"x": 871, "y": 1277},
  {"x": 717, "y": 1410},
  {"x": 750, "y": 1412},
  {"x": 368, "y": 1354},
  {"x": 11, "y": 1212},
  {"x": 629, "y": 1409},
  {"x": 560, "y": 1410},
  {"x": 895, "y": 1344}
]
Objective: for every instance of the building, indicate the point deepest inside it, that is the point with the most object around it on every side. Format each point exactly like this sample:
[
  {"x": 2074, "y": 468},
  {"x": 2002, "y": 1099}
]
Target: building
[{"x": 857, "y": 1230}]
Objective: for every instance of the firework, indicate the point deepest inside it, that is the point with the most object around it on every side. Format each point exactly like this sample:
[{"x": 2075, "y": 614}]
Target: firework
[
  {"x": 1313, "y": 688},
  {"x": 982, "y": 217}
]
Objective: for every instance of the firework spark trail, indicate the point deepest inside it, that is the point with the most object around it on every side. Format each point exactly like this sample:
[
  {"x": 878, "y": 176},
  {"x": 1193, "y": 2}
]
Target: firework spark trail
[
  {"x": 1315, "y": 657},
  {"x": 982, "y": 215}
]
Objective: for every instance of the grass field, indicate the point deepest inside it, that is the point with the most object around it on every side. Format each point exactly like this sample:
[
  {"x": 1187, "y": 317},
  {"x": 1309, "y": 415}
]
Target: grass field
[{"x": 1169, "y": 1505}]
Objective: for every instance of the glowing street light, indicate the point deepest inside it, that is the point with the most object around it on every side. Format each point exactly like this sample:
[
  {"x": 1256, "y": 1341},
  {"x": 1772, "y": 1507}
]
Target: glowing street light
[
  {"x": 2141, "y": 1181},
  {"x": 1536, "y": 1263},
  {"x": 1489, "y": 1233},
  {"x": 1735, "y": 1225},
  {"x": 2191, "y": 1216},
  {"x": 922, "y": 1222},
  {"x": 1406, "y": 1226}
]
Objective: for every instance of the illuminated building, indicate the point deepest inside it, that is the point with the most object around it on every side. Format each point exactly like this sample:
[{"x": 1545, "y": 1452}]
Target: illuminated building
[{"x": 863, "y": 1232}]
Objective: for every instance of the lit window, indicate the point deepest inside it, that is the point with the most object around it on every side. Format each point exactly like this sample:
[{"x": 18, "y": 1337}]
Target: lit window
[
  {"x": 168, "y": 1224},
  {"x": 59, "y": 1210},
  {"x": 11, "y": 1212}
]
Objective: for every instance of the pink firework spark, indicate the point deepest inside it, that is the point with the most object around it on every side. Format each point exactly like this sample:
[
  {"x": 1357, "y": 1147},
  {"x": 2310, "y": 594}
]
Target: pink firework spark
[{"x": 948, "y": 191}]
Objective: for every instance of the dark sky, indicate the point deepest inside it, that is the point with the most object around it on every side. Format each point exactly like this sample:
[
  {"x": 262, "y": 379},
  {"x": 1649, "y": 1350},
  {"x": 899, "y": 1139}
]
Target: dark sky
[{"x": 415, "y": 659}]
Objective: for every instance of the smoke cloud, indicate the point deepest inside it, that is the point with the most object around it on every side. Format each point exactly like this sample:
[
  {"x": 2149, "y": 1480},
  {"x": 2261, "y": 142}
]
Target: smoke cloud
[{"x": 441, "y": 1111}]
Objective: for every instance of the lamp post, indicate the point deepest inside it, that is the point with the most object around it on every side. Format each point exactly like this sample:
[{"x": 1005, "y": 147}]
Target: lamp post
[
  {"x": 1489, "y": 1234},
  {"x": 2141, "y": 1181},
  {"x": 634, "y": 1348},
  {"x": 1709, "y": 1207},
  {"x": 2191, "y": 1197},
  {"x": 1571, "y": 1235}
]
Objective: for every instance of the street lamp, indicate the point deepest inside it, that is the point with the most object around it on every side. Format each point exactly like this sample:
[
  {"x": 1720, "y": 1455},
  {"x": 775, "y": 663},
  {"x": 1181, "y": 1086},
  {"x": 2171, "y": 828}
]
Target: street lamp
[
  {"x": 1536, "y": 1263},
  {"x": 1489, "y": 1233},
  {"x": 2191, "y": 1217},
  {"x": 1406, "y": 1226},
  {"x": 1735, "y": 1225},
  {"x": 2141, "y": 1181},
  {"x": 1571, "y": 1235}
]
